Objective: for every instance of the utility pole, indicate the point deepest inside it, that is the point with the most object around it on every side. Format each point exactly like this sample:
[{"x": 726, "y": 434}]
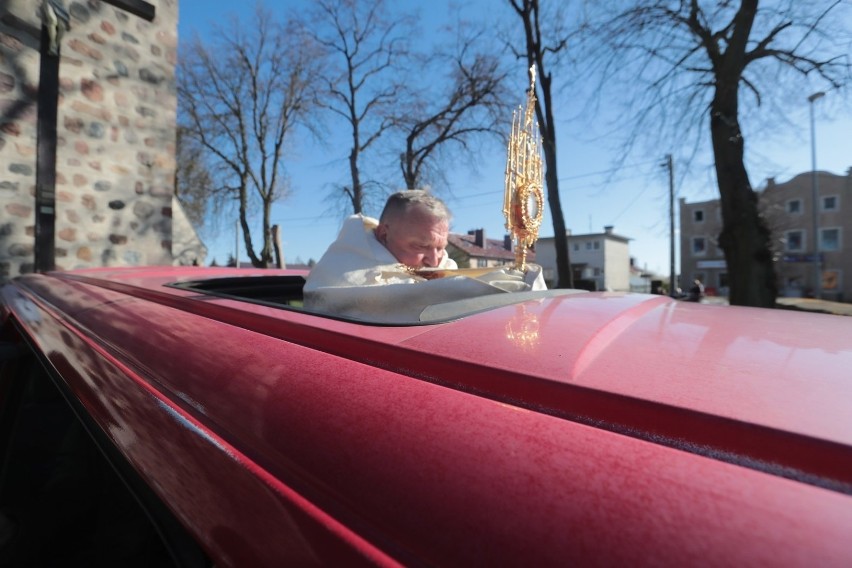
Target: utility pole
[
  {"x": 672, "y": 276},
  {"x": 815, "y": 199}
]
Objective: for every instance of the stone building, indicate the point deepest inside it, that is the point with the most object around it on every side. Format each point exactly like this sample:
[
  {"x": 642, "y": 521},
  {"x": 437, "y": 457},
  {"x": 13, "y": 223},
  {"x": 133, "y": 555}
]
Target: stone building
[
  {"x": 115, "y": 138},
  {"x": 800, "y": 253}
]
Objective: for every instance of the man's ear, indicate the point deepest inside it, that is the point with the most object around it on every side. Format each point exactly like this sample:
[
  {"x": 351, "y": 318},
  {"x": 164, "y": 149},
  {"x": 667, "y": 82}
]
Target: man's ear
[{"x": 381, "y": 232}]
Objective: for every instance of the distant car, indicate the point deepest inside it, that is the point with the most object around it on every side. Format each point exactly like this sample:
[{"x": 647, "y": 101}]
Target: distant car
[{"x": 197, "y": 417}]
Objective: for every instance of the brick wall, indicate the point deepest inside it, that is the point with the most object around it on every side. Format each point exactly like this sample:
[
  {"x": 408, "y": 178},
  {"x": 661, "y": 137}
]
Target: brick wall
[{"x": 115, "y": 140}]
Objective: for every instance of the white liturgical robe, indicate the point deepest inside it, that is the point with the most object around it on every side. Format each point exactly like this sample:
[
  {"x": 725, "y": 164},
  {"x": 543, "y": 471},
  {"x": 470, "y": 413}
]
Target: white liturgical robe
[{"x": 358, "y": 277}]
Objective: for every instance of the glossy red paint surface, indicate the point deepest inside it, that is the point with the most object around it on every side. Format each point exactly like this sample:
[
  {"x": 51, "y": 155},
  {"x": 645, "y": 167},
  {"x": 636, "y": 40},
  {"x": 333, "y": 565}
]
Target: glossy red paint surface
[{"x": 594, "y": 428}]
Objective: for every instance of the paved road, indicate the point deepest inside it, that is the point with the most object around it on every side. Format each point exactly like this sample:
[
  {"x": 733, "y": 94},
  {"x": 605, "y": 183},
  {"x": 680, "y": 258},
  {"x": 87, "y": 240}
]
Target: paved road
[{"x": 805, "y": 304}]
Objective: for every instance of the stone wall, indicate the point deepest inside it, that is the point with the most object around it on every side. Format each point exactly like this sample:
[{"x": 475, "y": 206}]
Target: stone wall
[{"x": 115, "y": 141}]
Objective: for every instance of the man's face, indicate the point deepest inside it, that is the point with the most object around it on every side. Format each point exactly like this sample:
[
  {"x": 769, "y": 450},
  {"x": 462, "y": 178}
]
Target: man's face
[{"x": 416, "y": 239}]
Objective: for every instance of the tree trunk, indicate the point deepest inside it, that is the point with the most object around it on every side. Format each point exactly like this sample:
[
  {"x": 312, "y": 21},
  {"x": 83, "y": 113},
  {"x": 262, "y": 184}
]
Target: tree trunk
[
  {"x": 564, "y": 274},
  {"x": 276, "y": 242},
  {"x": 266, "y": 253},
  {"x": 745, "y": 238},
  {"x": 357, "y": 197},
  {"x": 255, "y": 261}
]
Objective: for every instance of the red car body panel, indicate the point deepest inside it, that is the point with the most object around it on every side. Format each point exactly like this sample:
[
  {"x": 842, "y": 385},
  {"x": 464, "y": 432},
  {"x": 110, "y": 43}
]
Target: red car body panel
[{"x": 589, "y": 428}]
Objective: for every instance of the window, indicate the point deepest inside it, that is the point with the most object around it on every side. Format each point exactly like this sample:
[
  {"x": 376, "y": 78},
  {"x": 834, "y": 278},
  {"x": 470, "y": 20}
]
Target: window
[
  {"x": 597, "y": 272},
  {"x": 589, "y": 245},
  {"x": 698, "y": 215},
  {"x": 481, "y": 263},
  {"x": 829, "y": 239},
  {"x": 699, "y": 246},
  {"x": 597, "y": 245},
  {"x": 576, "y": 246},
  {"x": 829, "y": 203},
  {"x": 794, "y": 241},
  {"x": 794, "y": 207}
]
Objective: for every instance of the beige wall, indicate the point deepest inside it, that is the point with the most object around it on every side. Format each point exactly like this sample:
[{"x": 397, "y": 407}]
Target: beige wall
[
  {"x": 616, "y": 265},
  {"x": 788, "y": 208},
  {"x": 702, "y": 223}
]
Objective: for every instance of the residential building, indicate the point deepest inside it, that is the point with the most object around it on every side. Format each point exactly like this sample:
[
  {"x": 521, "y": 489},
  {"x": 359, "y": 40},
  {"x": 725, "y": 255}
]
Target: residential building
[
  {"x": 801, "y": 251},
  {"x": 474, "y": 250},
  {"x": 641, "y": 281},
  {"x": 599, "y": 261},
  {"x": 114, "y": 137},
  {"x": 701, "y": 257}
]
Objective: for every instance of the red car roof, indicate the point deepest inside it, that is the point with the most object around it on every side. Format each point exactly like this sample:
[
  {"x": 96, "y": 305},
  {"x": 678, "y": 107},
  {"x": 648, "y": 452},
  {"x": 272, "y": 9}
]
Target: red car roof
[{"x": 589, "y": 426}]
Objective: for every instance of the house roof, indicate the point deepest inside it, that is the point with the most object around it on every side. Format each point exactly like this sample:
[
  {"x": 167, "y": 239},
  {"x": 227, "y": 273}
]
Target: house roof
[{"x": 491, "y": 248}]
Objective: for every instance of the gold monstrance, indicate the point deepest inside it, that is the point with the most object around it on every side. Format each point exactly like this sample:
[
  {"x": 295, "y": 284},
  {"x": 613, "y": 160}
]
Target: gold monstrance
[{"x": 523, "y": 202}]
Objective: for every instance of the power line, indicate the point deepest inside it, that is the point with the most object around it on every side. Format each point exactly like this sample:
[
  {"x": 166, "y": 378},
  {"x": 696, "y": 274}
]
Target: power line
[
  {"x": 629, "y": 205},
  {"x": 609, "y": 171}
]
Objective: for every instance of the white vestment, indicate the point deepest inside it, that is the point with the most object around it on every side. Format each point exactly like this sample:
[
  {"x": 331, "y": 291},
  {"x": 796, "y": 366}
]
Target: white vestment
[{"x": 358, "y": 277}]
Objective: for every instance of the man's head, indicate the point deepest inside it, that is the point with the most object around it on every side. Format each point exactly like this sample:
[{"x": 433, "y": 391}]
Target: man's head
[{"x": 414, "y": 227}]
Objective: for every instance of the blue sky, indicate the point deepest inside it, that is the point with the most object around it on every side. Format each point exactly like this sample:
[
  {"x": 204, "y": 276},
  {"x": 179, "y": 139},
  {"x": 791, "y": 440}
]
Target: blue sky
[{"x": 634, "y": 198}]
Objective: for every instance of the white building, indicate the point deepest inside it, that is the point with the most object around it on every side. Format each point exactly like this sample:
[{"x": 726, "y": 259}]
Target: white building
[{"x": 599, "y": 261}]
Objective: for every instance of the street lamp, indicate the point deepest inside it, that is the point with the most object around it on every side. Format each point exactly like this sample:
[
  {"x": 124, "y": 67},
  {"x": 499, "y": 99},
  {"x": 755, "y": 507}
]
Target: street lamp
[{"x": 815, "y": 191}]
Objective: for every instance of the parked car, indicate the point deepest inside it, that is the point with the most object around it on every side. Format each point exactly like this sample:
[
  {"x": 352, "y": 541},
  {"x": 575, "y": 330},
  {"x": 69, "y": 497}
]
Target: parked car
[{"x": 199, "y": 417}]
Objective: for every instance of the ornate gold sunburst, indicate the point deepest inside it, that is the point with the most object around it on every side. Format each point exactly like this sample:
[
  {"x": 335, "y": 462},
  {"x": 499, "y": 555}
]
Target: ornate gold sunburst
[{"x": 523, "y": 200}]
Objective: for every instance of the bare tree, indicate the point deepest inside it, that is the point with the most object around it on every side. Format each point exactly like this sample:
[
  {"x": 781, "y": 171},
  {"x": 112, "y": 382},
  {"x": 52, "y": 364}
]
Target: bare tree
[
  {"x": 193, "y": 180},
  {"x": 241, "y": 97},
  {"x": 474, "y": 104},
  {"x": 366, "y": 51},
  {"x": 688, "y": 59},
  {"x": 542, "y": 46}
]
